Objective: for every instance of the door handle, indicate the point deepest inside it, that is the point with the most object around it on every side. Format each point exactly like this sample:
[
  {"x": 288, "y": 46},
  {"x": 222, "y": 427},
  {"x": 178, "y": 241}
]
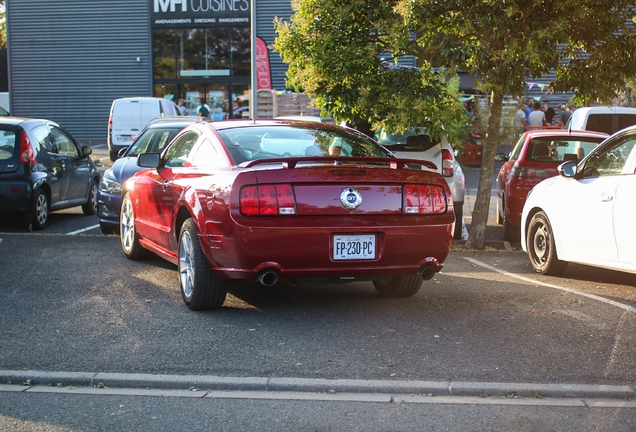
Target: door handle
[
  {"x": 606, "y": 197},
  {"x": 167, "y": 184}
]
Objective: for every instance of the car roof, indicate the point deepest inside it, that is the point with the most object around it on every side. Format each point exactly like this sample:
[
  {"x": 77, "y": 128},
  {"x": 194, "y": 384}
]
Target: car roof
[
  {"x": 566, "y": 133},
  {"x": 235, "y": 123},
  {"x": 605, "y": 110},
  {"x": 18, "y": 120},
  {"x": 183, "y": 120}
]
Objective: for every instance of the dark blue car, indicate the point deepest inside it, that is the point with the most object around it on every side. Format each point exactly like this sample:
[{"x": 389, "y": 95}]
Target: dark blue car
[
  {"x": 42, "y": 169},
  {"x": 153, "y": 138}
]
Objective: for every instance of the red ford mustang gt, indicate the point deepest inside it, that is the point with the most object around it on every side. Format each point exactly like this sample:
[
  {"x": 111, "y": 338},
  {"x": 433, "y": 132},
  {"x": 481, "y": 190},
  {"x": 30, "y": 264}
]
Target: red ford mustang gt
[{"x": 280, "y": 199}]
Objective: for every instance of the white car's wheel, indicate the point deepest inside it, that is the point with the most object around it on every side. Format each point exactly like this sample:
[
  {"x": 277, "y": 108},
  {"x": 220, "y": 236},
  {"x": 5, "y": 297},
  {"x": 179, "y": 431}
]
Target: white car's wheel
[{"x": 541, "y": 248}]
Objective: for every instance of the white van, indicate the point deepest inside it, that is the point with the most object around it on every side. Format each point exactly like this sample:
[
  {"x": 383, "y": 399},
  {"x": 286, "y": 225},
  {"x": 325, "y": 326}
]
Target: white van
[
  {"x": 602, "y": 119},
  {"x": 128, "y": 117}
]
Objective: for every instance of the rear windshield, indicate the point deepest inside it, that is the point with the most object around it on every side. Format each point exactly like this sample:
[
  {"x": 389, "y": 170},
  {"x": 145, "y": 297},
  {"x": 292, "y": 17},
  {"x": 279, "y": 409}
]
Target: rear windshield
[
  {"x": 8, "y": 146},
  {"x": 153, "y": 140},
  {"x": 266, "y": 142},
  {"x": 609, "y": 123},
  {"x": 557, "y": 150},
  {"x": 401, "y": 141}
]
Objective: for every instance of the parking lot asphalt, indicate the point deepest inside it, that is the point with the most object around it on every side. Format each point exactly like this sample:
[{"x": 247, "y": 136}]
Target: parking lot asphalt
[{"x": 486, "y": 325}]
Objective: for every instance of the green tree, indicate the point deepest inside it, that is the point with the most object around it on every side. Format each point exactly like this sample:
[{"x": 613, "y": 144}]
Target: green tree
[
  {"x": 502, "y": 42},
  {"x": 336, "y": 51},
  {"x": 333, "y": 49}
]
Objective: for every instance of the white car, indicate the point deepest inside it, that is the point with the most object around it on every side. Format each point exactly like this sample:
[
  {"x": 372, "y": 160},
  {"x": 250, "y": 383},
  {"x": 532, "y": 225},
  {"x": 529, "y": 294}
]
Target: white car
[
  {"x": 410, "y": 145},
  {"x": 586, "y": 214}
]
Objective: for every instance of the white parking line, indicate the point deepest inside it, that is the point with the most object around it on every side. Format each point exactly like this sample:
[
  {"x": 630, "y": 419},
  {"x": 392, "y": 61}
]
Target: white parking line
[
  {"x": 83, "y": 230},
  {"x": 536, "y": 282}
]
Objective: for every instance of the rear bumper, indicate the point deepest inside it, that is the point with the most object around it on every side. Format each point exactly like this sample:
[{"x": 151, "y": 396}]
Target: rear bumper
[
  {"x": 15, "y": 196},
  {"x": 307, "y": 253}
]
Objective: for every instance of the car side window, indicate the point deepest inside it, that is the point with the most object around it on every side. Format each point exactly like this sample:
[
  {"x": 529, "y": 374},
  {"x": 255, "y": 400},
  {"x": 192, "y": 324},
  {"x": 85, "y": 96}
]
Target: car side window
[
  {"x": 42, "y": 136},
  {"x": 178, "y": 152},
  {"x": 611, "y": 160},
  {"x": 65, "y": 145},
  {"x": 206, "y": 155}
]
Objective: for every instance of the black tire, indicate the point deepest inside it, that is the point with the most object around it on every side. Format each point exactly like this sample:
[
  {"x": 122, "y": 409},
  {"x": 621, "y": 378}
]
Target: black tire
[
  {"x": 540, "y": 245},
  {"x": 38, "y": 215},
  {"x": 459, "y": 221},
  {"x": 398, "y": 286},
  {"x": 200, "y": 288},
  {"x": 90, "y": 207},
  {"x": 113, "y": 155},
  {"x": 128, "y": 233}
]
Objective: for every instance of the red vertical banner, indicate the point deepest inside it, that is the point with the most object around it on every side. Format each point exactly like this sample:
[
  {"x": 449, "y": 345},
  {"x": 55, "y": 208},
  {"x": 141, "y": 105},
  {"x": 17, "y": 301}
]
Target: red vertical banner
[{"x": 263, "y": 72}]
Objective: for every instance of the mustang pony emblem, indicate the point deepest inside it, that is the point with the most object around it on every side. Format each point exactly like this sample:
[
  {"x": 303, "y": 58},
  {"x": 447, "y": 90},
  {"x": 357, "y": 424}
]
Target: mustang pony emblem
[{"x": 350, "y": 198}]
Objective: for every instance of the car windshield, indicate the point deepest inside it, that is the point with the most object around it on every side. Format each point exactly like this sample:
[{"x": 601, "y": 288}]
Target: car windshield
[
  {"x": 275, "y": 141},
  {"x": 153, "y": 140},
  {"x": 557, "y": 149}
]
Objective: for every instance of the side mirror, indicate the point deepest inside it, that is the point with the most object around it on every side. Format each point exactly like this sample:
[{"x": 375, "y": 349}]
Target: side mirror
[
  {"x": 500, "y": 157},
  {"x": 149, "y": 160},
  {"x": 86, "y": 150},
  {"x": 567, "y": 169}
]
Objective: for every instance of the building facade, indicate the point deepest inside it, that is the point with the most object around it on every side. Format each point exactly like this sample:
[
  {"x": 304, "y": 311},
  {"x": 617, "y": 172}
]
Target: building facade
[{"x": 68, "y": 59}]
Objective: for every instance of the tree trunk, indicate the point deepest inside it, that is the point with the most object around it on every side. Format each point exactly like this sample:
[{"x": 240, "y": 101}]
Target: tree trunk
[{"x": 482, "y": 202}]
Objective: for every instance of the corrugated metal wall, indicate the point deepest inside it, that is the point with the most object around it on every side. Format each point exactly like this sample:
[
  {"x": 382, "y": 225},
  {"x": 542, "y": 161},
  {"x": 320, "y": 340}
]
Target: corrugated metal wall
[
  {"x": 266, "y": 11},
  {"x": 68, "y": 59}
]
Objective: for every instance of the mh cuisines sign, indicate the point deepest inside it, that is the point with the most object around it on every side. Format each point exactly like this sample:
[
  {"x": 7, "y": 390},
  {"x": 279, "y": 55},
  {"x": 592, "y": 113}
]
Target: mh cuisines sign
[{"x": 199, "y": 13}]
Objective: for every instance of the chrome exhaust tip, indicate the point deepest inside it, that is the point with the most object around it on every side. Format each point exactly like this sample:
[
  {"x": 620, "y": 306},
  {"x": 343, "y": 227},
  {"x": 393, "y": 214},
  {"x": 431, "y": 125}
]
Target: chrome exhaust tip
[
  {"x": 267, "y": 277},
  {"x": 427, "y": 272}
]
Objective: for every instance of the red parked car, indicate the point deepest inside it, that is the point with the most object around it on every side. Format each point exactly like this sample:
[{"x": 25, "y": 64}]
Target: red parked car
[
  {"x": 265, "y": 200},
  {"x": 534, "y": 158}
]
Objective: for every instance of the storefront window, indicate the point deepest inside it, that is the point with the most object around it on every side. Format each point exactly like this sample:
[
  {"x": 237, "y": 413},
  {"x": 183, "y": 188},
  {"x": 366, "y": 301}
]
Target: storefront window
[{"x": 201, "y": 53}]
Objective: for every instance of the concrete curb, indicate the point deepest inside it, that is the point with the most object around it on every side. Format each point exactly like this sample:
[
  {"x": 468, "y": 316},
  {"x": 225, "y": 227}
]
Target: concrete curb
[{"x": 210, "y": 383}]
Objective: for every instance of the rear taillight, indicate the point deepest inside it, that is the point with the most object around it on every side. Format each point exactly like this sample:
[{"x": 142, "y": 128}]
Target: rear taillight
[
  {"x": 447, "y": 163},
  {"x": 110, "y": 128},
  {"x": 267, "y": 199},
  {"x": 424, "y": 199},
  {"x": 27, "y": 155},
  {"x": 521, "y": 171}
]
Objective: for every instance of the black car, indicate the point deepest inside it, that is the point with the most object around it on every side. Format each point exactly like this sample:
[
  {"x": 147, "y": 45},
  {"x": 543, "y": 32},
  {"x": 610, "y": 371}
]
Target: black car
[{"x": 42, "y": 169}]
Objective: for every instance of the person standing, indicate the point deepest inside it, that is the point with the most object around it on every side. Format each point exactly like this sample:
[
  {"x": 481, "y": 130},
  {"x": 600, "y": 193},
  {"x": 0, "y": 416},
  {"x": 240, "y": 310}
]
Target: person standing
[
  {"x": 549, "y": 112},
  {"x": 181, "y": 106},
  {"x": 529, "y": 109},
  {"x": 203, "y": 110},
  {"x": 563, "y": 115},
  {"x": 537, "y": 117},
  {"x": 519, "y": 119}
]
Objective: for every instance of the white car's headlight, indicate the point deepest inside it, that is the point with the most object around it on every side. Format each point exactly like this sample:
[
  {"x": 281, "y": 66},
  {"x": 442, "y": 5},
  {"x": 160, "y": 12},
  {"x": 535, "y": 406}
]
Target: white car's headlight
[{"x": 110, "y": 186}]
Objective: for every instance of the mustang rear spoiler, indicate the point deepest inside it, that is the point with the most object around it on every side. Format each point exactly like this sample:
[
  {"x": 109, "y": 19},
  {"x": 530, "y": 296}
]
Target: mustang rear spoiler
[{"x": 393, "y": 163}]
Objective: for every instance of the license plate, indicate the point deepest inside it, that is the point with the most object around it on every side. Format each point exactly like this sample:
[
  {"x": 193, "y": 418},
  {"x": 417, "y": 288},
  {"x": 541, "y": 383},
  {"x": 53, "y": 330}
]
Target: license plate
[
  {"x": 351, "y": 247},
  {"x": 125, "y": 138}
]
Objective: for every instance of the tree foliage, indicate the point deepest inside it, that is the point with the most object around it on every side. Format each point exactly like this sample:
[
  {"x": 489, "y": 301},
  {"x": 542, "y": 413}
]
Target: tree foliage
[
  {"x": 344, "y": 54},
  {"x": 334, "y": 48}
]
